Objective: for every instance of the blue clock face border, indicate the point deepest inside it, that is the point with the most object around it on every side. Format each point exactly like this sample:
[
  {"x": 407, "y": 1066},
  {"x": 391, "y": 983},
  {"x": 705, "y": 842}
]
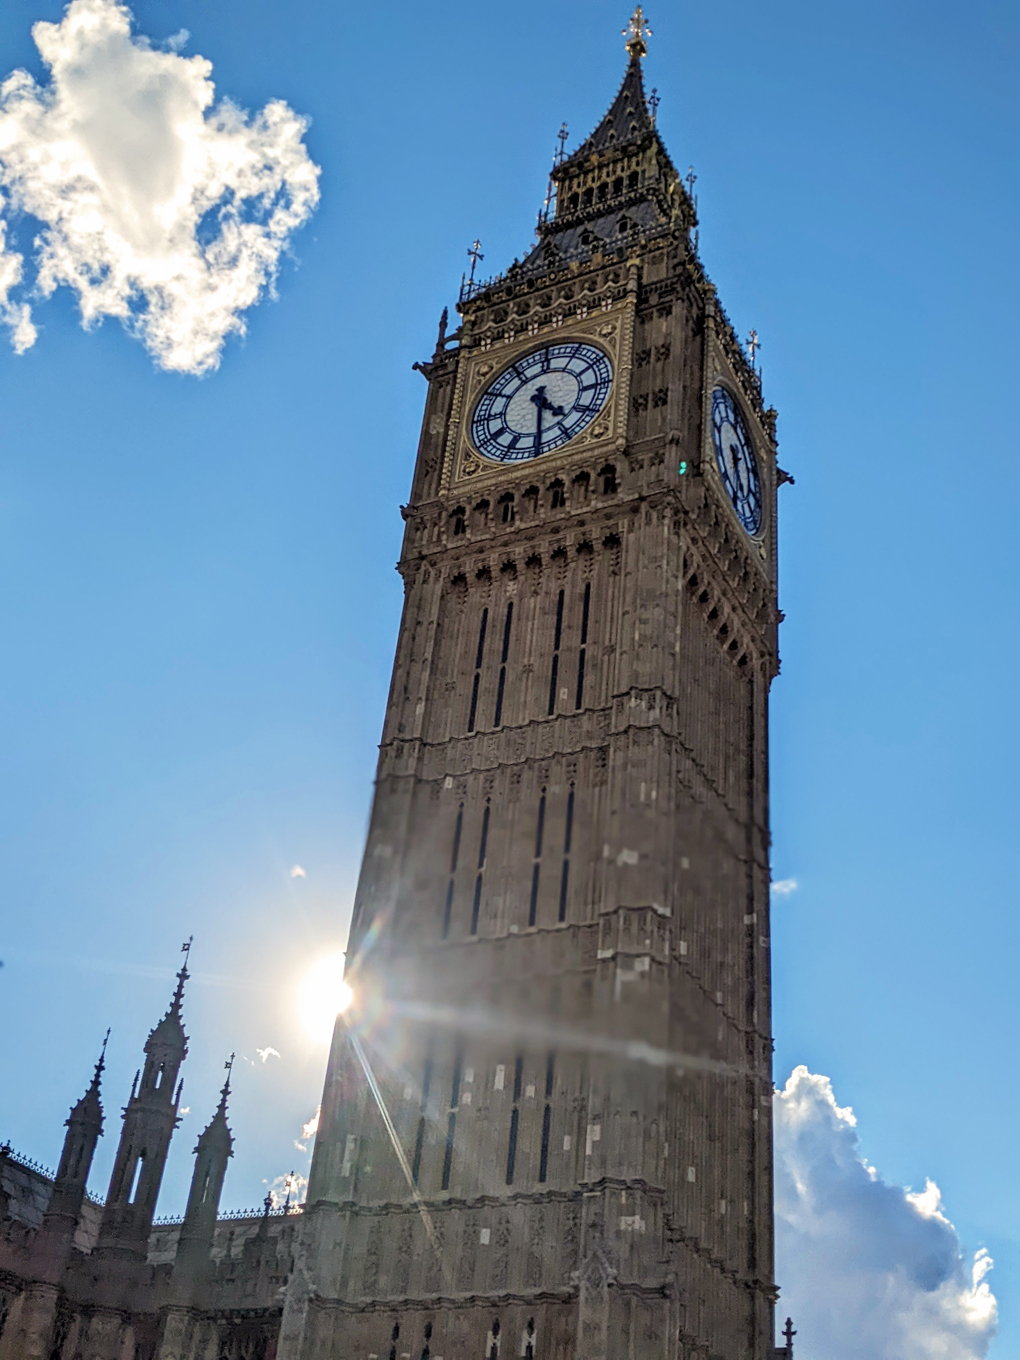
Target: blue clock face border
[
  {"x": 541, "y": 401},
  {"x": 734, "y": 455}
]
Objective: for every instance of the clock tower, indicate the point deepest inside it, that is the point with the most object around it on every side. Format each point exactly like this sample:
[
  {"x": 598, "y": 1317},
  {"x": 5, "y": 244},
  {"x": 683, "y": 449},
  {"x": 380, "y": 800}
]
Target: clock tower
[{"x": 546, "y": 1124}]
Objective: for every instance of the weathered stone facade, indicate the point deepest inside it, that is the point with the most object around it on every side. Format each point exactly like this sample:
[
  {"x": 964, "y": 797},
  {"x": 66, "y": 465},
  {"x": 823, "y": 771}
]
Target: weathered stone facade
[{"x": 546, "y": 1124}]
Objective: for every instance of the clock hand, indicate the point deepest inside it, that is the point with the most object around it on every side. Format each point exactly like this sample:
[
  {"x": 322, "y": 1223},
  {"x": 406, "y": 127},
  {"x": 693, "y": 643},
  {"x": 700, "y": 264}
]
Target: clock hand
[
  {"x": 538, "y": 401},
  {"x": 542, "y": 403}
]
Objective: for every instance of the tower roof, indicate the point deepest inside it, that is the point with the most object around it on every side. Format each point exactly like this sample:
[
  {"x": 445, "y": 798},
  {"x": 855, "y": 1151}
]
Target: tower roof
[
  {"x": 627, "y": 119},
  {"x": 89, "y": 1110},
  {"x": 619, "y": 188},
  {"x": 218, "y": 1130},
  {"x": 169, "y": 1033}
]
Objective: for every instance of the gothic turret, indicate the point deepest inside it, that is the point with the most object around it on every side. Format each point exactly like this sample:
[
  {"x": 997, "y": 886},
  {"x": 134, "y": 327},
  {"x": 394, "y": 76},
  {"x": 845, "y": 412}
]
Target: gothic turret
[
  {"x": 84, "y": 1129},
  {"x": 150, "y": 1118},
  {"x": 53, "y": 1244},
  {"x": 214, "y": 1149}
]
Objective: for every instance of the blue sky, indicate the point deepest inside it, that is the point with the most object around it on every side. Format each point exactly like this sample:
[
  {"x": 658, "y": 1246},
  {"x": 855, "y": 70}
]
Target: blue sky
[{"x": 198, "y": 602}]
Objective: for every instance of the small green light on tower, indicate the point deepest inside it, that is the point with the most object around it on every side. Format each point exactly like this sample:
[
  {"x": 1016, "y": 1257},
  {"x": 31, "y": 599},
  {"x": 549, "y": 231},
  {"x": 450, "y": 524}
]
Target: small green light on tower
[{"x": 682, "y": 469}]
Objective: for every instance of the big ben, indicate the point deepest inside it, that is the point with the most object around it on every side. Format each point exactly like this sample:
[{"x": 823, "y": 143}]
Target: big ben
[{"x": 546, "y": 1123}]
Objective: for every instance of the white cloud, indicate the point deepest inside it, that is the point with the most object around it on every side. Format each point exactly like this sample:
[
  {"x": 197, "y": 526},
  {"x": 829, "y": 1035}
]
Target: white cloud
[
  {"x": 310, "y": 1129},
  {"x": 265, "y": 1053},
  {"x": 15, "y": 316},
  {"x": 298, "y": 872},
  {"x": 157, "y": 206},
  {"x": 784, "y": 886},
  {"x": 292, "y": 1187},
  {"x": 868, "y": 1270}
]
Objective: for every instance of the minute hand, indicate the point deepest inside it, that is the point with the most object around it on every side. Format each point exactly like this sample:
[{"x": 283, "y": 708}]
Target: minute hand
[{"x": 542, "y": 403}]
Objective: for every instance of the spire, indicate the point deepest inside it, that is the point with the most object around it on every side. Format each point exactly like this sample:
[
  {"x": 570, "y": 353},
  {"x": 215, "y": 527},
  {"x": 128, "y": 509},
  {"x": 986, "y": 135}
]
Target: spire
[
  {"x": 183, "y": 975},
  {"x": 90, "y": 1106},
  {"x": 217, "y": 1128},
  {"x": 170, "y": 1030},
  {"x": 628, "y": 118},
  {"x": 213, "y": 1150}
]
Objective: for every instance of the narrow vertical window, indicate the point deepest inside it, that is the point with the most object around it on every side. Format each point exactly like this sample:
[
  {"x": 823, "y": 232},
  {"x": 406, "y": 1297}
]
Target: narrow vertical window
[
  {"x": 451, "y": 1129},
  {"x": 482, "y": 848},
  {"x": 454, "y": 854},
  {"x": 529, "y": 1340},
  {"x": 543, "y": 1163},
  {"x": 511, "y": 1150},
  {"x": 479, "y": 654},
  {"x": 419, "y": 1141},
  {"x": 136, "y": 1179},
  {"x": 565, "y": 874},
  {"x": 451, "y": 1123},
  {"x": 585, "y": 609},
  {"x": 555, "y": 671},
  {"x": 537, "y": 864},
  {"x": 550, "y": 1070},
  {"x": 502, "y": 664}
]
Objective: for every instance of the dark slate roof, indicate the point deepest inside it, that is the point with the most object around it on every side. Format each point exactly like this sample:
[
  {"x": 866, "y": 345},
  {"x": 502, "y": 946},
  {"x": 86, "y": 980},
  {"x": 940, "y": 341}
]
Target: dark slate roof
[{"x": 628, "y": 119}]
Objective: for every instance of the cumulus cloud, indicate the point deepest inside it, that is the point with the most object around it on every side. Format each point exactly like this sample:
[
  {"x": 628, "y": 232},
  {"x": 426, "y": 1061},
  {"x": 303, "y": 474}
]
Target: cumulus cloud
[
  {"x": 869, "y": 1270},
  {"x": 157, "y": 206},
  {"x": 784, "y": 886},
  {"x": 290, "y": 1189},
  {"x": 298, "y": 872},
  {"x": 266, "y": 1053},
  {"x": 310, "y": 1129}
]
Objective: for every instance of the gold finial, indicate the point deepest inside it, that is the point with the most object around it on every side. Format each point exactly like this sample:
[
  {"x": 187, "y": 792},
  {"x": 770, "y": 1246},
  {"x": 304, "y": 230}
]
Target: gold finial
[{"x": 636, "y": 32}]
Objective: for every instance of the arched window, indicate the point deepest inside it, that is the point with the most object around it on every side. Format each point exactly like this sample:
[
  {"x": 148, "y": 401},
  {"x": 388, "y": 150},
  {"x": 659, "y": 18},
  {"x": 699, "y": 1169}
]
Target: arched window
[
  {"x": 506, "y": 505},
  {"x": 608, "y": 475},
  {"x": 587, "y": 197},
  {"x": 573, "y": 202},
  {"x": 492, "y": 1341},
  {"x": 632, "y": 179},
  {"x": 618, "y": 185},
  {"x": 459, "y": 519},
  {"x": 558, "y": 498}
]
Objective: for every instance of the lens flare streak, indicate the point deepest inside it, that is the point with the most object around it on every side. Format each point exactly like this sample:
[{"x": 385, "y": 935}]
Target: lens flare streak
[{"x": 373, "y": 1086}]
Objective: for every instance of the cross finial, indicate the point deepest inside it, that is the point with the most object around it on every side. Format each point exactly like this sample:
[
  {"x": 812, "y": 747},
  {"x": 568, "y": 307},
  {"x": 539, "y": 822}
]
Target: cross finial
[
  {"x": 474, "y": 255},
  {"x": 183, "y": 975},
  {"x": 229, "y": 1065},
  {"x": 690, "y": 180},
  {"x": 561, "y": 136},
  {"x": 789, "y": 1334},
  {"x": 653, "y": 103},
  {"x": 102, "y": 1060},
  {"x": 636, "y": 32},
  {"x": 754, "y": 345}
]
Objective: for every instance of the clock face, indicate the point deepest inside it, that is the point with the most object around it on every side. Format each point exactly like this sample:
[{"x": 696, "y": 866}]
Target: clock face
[
  {"x": 735, "y": 456},
  {"x": 540, "y": 401}
]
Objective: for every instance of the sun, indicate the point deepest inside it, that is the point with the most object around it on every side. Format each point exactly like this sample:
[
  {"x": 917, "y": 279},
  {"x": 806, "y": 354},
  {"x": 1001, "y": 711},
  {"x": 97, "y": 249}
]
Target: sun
[{"x": 322, "y": 995}]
